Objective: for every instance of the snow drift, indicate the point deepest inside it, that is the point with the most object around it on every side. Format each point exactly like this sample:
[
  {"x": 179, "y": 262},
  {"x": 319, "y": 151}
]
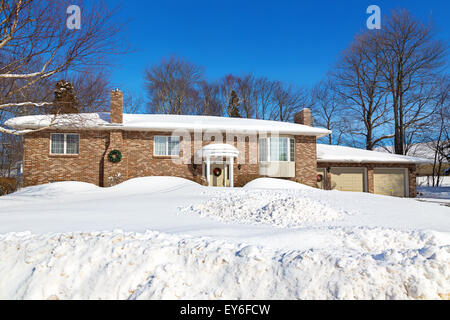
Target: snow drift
[
  {"x": 280, "y": 240},
  {"x": 152, "y": 265}
]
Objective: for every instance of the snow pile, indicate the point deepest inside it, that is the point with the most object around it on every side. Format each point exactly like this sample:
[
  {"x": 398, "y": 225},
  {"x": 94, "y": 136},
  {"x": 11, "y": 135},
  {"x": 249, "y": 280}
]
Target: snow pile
[
  {"x": 349, "y": 245},
  {"x": 152, "y": 184},
  {"x": 272, "y": 183},
  {"x": 55, "y": 190},
  {"x": 280, "y": 208},
  {"x": 153, "y": 265}
]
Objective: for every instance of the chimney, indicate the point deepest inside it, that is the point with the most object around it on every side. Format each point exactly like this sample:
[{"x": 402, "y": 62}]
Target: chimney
[
  {"x": 116, "y": 106},
  {"x": 303, "y": 117}
]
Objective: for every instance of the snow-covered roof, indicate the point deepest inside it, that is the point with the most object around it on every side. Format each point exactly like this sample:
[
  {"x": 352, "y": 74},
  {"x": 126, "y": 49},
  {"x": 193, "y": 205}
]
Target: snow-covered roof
[
  {"x": 424, "y": 150},
  {"x": 157, "y": 122},
  {"x": 329, "y": 153}
]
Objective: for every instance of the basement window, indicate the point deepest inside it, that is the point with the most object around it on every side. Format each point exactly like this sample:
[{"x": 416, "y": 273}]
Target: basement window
[
  {"x": 166, "y": 146},
  {"x": 64, "y": 143}
]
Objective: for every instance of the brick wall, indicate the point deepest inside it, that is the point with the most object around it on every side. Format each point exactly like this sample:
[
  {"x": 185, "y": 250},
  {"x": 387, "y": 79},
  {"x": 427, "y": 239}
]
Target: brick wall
[
  {"x": 370, "y": 167},
  {"x": 116, "y": 106},
  {"x": 40, "y": 167},
  {"x": 92, "y": 164},
  {"x": 306, "y": 160}
]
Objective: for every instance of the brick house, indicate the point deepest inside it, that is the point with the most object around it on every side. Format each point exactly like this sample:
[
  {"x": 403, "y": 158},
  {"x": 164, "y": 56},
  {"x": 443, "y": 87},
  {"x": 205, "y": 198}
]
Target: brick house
[{"x": 108, "y": 148}]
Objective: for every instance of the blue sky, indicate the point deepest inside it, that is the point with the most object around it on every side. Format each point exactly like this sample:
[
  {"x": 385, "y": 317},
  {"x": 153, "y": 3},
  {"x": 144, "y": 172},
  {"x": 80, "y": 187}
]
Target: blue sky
[{"x": 291, "y": 41}]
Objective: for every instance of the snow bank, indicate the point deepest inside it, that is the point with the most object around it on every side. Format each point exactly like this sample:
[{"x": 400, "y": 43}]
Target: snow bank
[
  {"x": 344, "y": 245},
  {"x": 280, "y": 208},
  {"x": 132, "y": 186},
  {"x": 271, "y": 183},
  {"x": 153, "y": 265},
  {"x": 152, "y": 184},
  {"x": 57, "y": 189}
]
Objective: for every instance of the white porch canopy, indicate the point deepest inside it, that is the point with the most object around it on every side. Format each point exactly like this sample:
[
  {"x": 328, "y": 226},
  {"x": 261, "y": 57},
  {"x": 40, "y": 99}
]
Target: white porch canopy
[{"x": 219, "y": 150}]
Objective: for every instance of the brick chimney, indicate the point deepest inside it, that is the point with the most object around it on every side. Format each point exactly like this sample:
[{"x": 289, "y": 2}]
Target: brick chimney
[
  {"x": 303, "y": 117},
  {"x": 116, "y": 106}
]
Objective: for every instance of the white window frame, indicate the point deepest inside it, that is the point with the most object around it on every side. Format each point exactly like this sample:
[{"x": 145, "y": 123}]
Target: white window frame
[
  {"x": 268, "y": 148},
  {"x": 65, "y": 144},
  {"x": 166, "y": 138}
]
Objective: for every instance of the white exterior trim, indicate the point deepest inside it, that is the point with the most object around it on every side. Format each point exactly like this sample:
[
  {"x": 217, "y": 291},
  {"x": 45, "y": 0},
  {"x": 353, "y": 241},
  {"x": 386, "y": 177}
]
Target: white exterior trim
[
  {"x": 65, "y": 144},
  {"x": 167, "y": 146}
]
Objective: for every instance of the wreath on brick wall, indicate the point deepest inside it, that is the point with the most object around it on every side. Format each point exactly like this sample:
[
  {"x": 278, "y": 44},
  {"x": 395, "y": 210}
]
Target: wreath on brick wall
[
  {"x": 115, "y": 156},
  {"x": 319, "y": 178}
]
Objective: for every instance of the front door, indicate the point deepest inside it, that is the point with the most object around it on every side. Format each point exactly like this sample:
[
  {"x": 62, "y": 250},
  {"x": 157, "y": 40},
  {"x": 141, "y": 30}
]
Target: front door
[{"x": 218, "y": 175}]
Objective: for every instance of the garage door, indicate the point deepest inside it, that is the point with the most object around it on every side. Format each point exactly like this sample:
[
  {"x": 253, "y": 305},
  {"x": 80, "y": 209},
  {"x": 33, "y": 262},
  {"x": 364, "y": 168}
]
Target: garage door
[
  {"x": 347, "y": 179},
  {"x": 390, "y": 182}
]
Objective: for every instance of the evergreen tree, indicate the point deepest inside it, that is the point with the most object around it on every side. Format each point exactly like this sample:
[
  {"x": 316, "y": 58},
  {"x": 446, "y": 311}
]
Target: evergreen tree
[
  {"x": 65, "y": 98},
  {"x": 233, "y": 104}
]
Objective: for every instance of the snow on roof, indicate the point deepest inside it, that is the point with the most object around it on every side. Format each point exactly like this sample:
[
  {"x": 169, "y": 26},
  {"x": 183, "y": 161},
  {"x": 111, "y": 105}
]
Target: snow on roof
[
  {"x": 424, "y": 150},
  {"x": 157, "y": 122},
  {"x": 329, "y": 153},
  {"x": 219, "y": 149}
]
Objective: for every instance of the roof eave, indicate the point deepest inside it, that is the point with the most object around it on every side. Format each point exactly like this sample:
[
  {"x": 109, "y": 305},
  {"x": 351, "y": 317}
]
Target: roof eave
[
  {"x": 372, "y": 161},
  {"x": 114, "y": 126}
]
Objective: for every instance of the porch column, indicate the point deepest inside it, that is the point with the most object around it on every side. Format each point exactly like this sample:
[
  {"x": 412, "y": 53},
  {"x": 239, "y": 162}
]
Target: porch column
[
  {"x": 231, "y": 161},
  {"x": 208, "y": 169}
]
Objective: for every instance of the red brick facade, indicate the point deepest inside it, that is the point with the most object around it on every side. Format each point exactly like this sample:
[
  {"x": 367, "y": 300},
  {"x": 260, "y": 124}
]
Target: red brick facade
[
  {"x": 138, "y": 160},
  {"x": 92, "y": 165}
]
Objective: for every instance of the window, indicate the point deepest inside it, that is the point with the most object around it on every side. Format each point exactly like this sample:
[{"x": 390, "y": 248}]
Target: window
[
  {"x": 276, "y": 149},
  {"x": 64, "y": 143},
  {"x": 263, "y": 149},
  {"x": 167, "y": 146}
]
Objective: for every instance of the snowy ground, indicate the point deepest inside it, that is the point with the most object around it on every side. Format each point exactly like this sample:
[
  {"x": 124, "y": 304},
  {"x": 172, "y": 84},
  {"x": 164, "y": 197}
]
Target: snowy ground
[
  {"x": 427, "y": 181},
  {"x": 439, "y": 194},
  {"x": 168, "y": 238}
]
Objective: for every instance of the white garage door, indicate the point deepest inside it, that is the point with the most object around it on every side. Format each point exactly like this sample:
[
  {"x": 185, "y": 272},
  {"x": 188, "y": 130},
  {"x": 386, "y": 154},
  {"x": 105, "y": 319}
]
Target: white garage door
[
  {"x": 347, "y": 179},
  {"x": 389, "y": 181}
]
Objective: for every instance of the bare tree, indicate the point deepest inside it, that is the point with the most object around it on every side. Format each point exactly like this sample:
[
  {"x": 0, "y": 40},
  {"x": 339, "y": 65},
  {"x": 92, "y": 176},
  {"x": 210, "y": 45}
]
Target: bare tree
[
  {"x": 172, "y": 86},
  {"x": 411, "y": 59},
  {"x": 36, "y": 45},
  {"x": 211, "y": 103},
  {"x": 436, "y": 134},
  {"x": 288, "y": 100},
  {"x": 358, "y": 80},
  {"x": 11, "y": 151},
  {"x": 92, "y": 90},
  {"x": 133, "y": 103},
  {"x": 328, "y": 111},
  {"x": 247, "y": 95},
  {"x": 264, "y": 89}
]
